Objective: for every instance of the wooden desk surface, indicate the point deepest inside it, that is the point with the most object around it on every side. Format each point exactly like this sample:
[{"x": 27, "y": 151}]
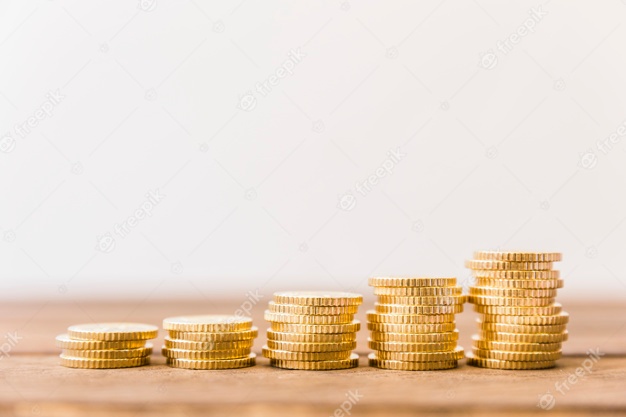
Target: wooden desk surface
[{"x": 33, "y": 384}]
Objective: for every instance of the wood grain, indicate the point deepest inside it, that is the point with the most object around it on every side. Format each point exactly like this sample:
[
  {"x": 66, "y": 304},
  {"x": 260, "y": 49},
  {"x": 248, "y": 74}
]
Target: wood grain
[{"x": 32, "y": 383}]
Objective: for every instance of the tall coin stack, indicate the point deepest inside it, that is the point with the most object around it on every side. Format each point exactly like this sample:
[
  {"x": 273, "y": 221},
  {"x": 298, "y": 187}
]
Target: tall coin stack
[
  {"x": 522, "y": 327},
  {"x": 413, "y": 326},
  {"x": 312, "y": 330},
  {"x": 209, "y": 342},
  {"x": 106, "y": 345}
]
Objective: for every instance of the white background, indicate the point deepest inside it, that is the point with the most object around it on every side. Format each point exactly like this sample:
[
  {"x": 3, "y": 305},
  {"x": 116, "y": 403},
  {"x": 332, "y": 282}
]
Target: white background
[{"x": 500, "y": 145}]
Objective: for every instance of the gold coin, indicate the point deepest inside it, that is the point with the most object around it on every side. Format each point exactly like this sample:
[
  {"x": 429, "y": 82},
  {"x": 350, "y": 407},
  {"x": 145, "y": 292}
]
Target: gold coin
[
  {"x": 352, "y": 327},
  {"x": 208, "y": 323},
  {"x": 302, "y": 319},
  {"x": 418, "y": 291},
  {"x": 310, "y": 337},
  {"x": 395, "y": 365},
  {"x": 510, "y": 274},
  {"x": 415, "y": 337},
  {"x": 413, "y": 328},
  {"x": 250, "y": 360},
  {"x": 412, "y": 282},
  {"x": 311, "y": 310},
  {"x": 562, "y": 318},
  {"x": 204, "y": 354},
  {"x": 110, "y": 353},
  {"x": 524, "y": 337},
  {"x": 311, "y": 347},
  {"x": 190, "y": 345},
  {"x": 521, "y": 328},
  {"x": 516, "y": 347},
  {"x": 414, "y": 301},
  {"x": 422, "y": 323},
  {"x": 518, "y": 256},
  {"x": 215, "y": 336},
  {"x": 351, "y": 362},
  {"x": 376, "y": 317},
  {"x": 516, "y": 356},
  {"x": 550, "y": 310},
  {"x": 411, "y": 347},
  {"x": 318, "y": 298},
  {"x": 85, "y": 363},
  {"x": 113, "y": 331},
  {"x": 510, "y": 301},
  {"x": 416, "y": 309},
  {"x": 305, "y": 356},
  {"x": 511, "y": 292},
  {"x": 503, "y": 265},
  {"x": 538, "y": 284},
  {"x": 496, "y": 364},
  {"x": 63, "y": 341},
  {"x": 454, "y": 355},
  {"x": 429, "y": 301}
]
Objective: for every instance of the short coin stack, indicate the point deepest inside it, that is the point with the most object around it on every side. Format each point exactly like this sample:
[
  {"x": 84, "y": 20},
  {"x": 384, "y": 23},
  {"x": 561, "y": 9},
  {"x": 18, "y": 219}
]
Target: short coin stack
[
  {"x": 312, "y": 330},
  {"x": 106, "y": 345},
  {"x": 522, "y": 327},
  {"x": 209, "y": 342},
  {"x": 413, "y": 326}
]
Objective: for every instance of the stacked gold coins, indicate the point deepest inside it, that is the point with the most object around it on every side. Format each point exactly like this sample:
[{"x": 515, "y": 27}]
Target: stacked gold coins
[
  {"x": 106, "y": 345},
  {"x": 413, "y": 326},
  {"x": 209, "y": 342},
  {"x": 522, "y": 327},
  {"x": 312, "y": 330}
]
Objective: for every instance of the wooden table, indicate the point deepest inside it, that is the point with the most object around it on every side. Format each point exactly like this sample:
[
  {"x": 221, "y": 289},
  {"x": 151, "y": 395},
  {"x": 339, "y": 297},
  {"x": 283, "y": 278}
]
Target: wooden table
[{"x": 33, "y": 384}]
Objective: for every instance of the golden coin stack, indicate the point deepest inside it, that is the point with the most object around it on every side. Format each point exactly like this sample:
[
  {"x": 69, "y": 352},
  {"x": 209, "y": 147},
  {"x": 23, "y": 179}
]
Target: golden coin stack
[
  {"x": 413, "y": 326},
  {"x": 312, "y": 330},
  {"x": 209, "y": 342},
  {"x": 522, "y": 327},
  {"x": 106, "y": 345}
]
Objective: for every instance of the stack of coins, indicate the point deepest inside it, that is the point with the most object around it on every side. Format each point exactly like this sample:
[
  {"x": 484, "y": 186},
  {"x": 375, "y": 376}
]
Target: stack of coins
[
  {"x": 312, "y": 330},
  {"x": 522, "y": 327},
  {"x": 106, "y": 345},
  {"x": 209, "y": 342},
  {"x": 412, "y": 326}
]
